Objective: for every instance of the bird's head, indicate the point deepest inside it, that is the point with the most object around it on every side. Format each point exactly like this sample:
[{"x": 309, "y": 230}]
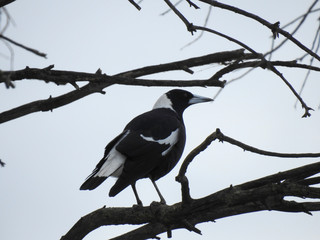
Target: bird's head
[{"x": 178, "y": 100}]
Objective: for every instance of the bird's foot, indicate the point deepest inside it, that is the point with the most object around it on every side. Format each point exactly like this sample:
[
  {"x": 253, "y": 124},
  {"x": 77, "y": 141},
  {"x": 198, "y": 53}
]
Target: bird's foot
[
  {"x": 156, "y": 204},
  {"x": 137, "y": 206},
  {"x": 162, "y": 201}
]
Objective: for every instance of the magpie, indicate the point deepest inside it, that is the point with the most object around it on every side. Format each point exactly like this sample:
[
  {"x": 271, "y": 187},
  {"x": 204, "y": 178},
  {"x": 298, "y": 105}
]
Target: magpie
[{"x": 149, "y": 147}]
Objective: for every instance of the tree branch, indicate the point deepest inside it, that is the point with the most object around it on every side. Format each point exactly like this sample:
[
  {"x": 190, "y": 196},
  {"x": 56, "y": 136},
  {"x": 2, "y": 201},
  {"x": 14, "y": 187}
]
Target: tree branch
[
  {"x": 34, "y": 51},
  {"x": 135, "y": 4},
  {"x": 295, "y": 30},
  {"x": 5, "y": 2},
  {"x": 266, "y": 193},
  {"x": 224, "y": 138},
  {"x": 98, "y": 81},
  {"x": 185, "y": 20},
  {"x": 275, "y": 30},
  {"x": 262, "y": 194},
  {"x": 272, "y": 27}
]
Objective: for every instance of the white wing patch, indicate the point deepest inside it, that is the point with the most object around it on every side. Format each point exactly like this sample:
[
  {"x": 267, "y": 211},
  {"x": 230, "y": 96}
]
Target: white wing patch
[
  {"x": 113, "y": 165},
  {"x": 171, "y": 140}
]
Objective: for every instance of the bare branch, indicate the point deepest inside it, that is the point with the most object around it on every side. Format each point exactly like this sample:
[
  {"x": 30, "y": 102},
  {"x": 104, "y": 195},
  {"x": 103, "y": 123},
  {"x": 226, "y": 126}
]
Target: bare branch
[
  {"x": 262, "y": 194},
  {"x": 135, "y": 4},
  {"x": 304, "y": 105},
  {"x": 181, "y": 178},
  {"x": 185, "y": 21},
  {"x": 169, "y": 9},
  {"x": 24, "y": 47},
  {"x": 218, "y": 135},
  {"x": 202, "y": 32},
  {"x": 8, "y": 20},
  {"x": 192, "y": 28},
  {"x": 224, "y": 138},
  {"x": 269, "y": 25},
  {"x": 316, "y": 42},
  {"x": 267, "y": 193},
  {"x": 2, "y": 164},
  {"x": 304, "y": 17},
  {"x": 5, "y": 2},
  {"x": 97, "y": 82},
  {"x": 192, "y": 4}
]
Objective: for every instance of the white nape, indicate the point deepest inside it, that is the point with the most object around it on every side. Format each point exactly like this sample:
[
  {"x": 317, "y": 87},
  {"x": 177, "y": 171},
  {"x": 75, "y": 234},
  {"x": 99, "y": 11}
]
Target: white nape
[{"x": 163, "y": 102}]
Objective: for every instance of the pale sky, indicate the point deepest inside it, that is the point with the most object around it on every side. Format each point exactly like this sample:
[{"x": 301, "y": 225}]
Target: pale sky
[{"x": 48, "y": 155}]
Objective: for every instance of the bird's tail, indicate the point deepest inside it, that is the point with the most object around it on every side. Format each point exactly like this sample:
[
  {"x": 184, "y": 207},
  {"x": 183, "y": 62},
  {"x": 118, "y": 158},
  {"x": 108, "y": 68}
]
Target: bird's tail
[
  {"x": 92, "y": 182},
  {"x": 118, "y": 187},
  {"x": 111, "y": 165}
]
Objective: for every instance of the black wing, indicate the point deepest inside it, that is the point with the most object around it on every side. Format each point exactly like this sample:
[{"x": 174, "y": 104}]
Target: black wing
[{"x": 151, "y": 136}]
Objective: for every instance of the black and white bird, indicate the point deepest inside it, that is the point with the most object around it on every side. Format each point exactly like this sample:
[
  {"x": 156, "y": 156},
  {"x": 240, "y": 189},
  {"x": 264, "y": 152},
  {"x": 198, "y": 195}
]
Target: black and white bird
[{"x": 149, "y": 146}]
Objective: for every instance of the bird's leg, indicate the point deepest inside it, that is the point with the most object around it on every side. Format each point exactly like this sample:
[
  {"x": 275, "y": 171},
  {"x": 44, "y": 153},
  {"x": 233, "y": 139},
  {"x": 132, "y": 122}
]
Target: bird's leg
[
  {"x": 158, "y": 191},
  {"x": 139, "y": 202}
]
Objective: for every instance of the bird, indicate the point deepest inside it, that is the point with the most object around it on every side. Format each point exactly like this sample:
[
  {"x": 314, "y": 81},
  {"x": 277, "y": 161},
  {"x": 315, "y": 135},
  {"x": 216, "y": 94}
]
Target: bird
[{"x": 150, "y": 146}]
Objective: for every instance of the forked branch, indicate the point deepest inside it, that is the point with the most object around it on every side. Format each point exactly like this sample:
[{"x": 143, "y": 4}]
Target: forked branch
[
  {"x": 266, "y": 193},
  {"x": 98, "y": 81},
  {"x": 275, "y": 31}
]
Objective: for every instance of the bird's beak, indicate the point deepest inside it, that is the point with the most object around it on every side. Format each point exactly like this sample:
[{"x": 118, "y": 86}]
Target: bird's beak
[{"x": 199, "y": 99}]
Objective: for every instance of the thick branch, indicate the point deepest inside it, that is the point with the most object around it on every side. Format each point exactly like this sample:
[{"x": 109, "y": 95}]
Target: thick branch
[
  {"x": 106, "y": 216},
  {"x": 266, "y": 193},
  {"x": 50, "y": 103},
  {"x": 97, "y": 82},
  {"x": 69, "y": 77},
  {"x": 219, "y": 57},
  {"x": 258, "y": 195}
]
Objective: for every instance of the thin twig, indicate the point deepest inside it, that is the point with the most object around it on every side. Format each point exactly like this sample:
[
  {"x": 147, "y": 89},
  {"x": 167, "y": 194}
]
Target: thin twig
[
  {"x": 263, "y": 22},
  {"x": 184, "y": 20},
  {"x": 218, "y": 135},
  {"x": 202, "y": 32},
  {"x": 246, "y": 147},
  {"x": 192, "y": 4},
  {"x": 231, "y": 81},
  {"x": 316, "y": 37},
  {"x": 192, "y": 28},
  {"x": 24, "y": 47},
  {"x": 299, "y": 17},
  {"x": 2, "y": 164},
  {"x": 8, "y": 20},
  {"x": 135, "y": 4},
  {"x": 169, "y": 10},
  {"x": 294, "y": 31}
]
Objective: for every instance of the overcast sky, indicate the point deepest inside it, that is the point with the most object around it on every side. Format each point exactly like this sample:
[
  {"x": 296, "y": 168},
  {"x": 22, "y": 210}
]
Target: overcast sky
[{"x": 48, "y": 155}]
